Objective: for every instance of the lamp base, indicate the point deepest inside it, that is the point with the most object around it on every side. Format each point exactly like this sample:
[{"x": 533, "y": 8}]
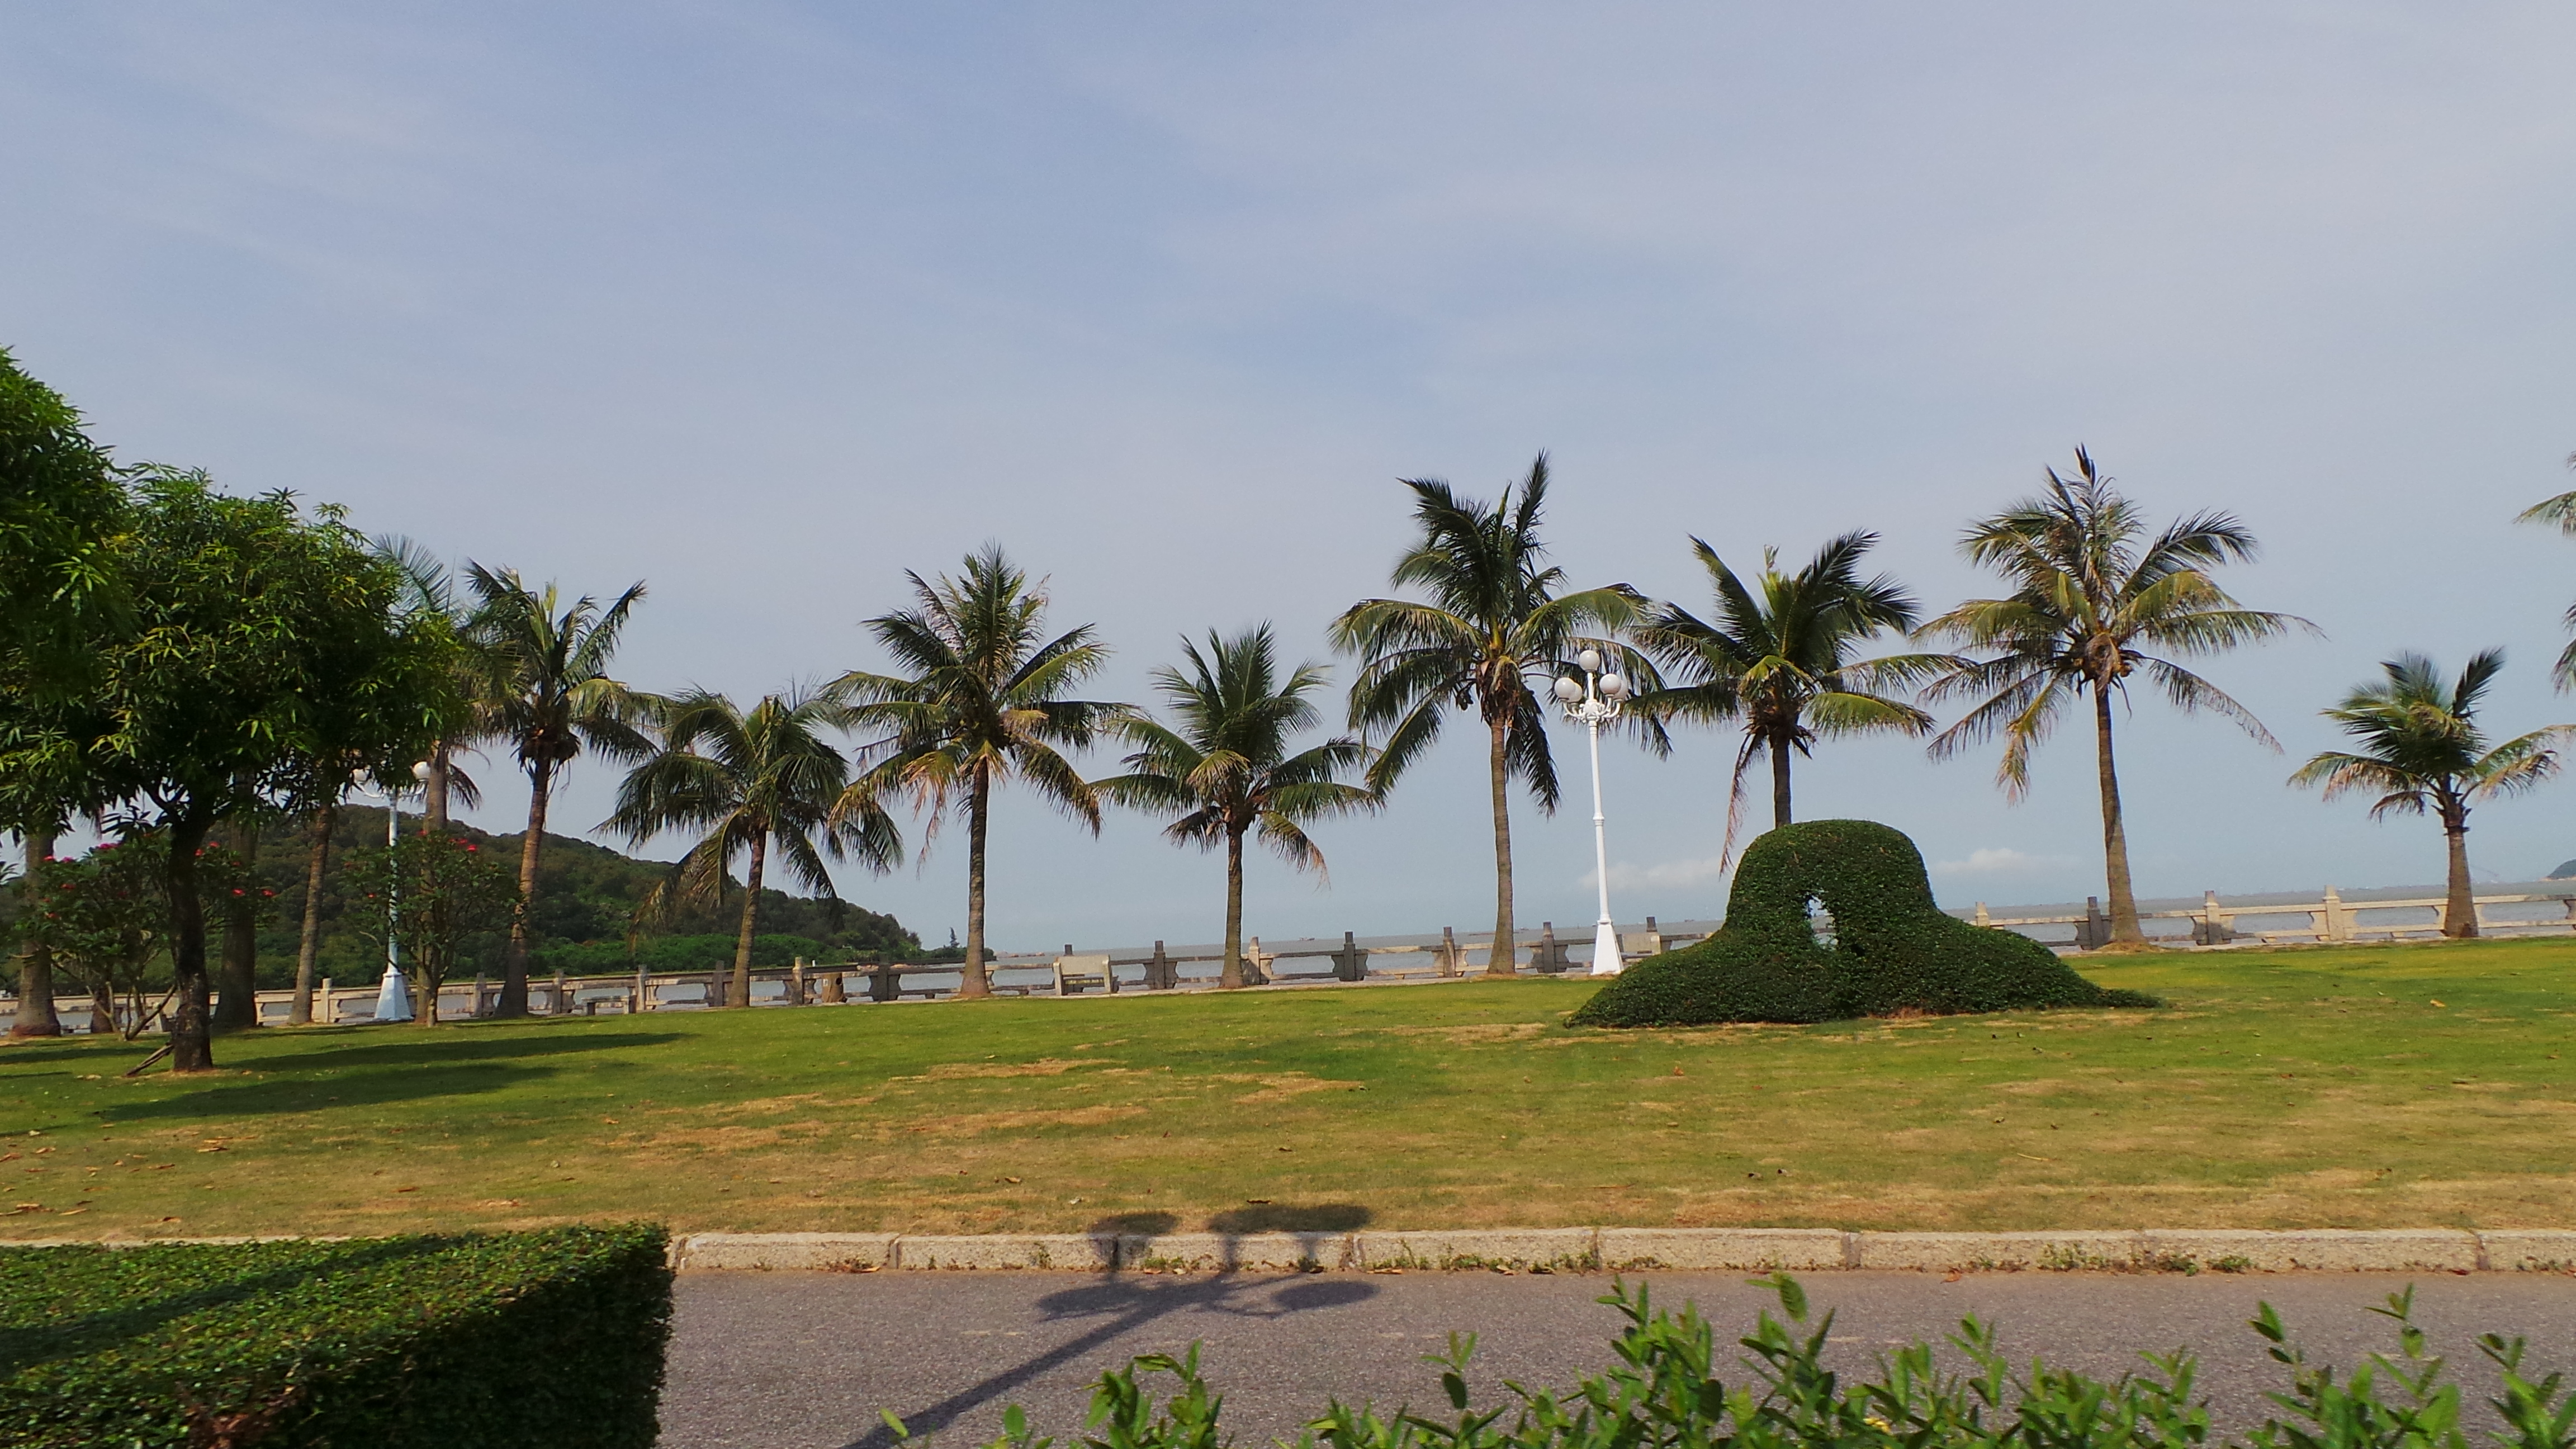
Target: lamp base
[{"x": 1606, "y": 960}]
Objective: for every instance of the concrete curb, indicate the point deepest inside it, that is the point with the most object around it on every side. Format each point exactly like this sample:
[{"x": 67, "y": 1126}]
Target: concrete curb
[{"x": 1581, "y": 1250}]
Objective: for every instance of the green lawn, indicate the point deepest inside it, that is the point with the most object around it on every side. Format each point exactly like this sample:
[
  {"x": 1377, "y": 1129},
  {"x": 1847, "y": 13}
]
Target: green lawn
[{"x": 2375, "y": 1086}]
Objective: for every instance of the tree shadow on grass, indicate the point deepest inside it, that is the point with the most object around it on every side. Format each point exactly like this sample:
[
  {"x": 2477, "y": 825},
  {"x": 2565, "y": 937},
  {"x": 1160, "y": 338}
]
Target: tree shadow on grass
[
  {"x": 1322, "y": 1217},
  {"x": 271, "y": 1097},
  {"x": 96, "y": 1047},
  {"x": 431, "y": 1046},
  {"x": 1124, "y": 1305}
]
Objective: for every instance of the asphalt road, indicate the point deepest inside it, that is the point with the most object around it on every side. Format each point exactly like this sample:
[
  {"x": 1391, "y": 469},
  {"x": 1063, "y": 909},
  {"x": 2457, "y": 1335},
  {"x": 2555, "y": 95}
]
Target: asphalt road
[{"x": 807, "y": 1360}]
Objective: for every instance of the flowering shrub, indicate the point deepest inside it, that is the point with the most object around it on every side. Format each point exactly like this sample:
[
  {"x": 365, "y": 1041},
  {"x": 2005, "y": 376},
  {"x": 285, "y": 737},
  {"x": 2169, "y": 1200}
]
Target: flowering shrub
[
  {"x": 106, "y": 917},
  {"x": 429, "y": 893}
]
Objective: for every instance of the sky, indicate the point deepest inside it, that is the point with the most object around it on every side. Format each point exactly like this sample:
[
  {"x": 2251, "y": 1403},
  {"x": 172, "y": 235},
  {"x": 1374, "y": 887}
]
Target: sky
[{"x": 765, "y": 304}]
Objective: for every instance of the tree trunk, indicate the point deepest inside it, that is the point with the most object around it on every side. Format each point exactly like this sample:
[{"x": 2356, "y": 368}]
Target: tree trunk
[
  {"x": 739, "y": 993},
  {"x": 975, "y": 982},
  {"x": 308, "y": 951},
  {"x": 2115, "y": 836},
  {"x": 237, "y": 1008},
  {"x": 2460, "y": 907},
  {"x": 514, "y": 959},
  {"x": 433, "y": 792},
  {"x": 1232, "y": 975},
  {"x": 1503, "y": 959},
  {"x": 36, "y": 962},
  {"x": 1780, "y": 782},
  {"x": 191, "y": 1044}
]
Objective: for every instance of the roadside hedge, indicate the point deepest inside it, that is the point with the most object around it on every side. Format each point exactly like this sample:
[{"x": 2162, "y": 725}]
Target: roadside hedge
[
  {"x": 1893, "y": 949},
  {"x": 540, "y": 1340},
  {"x": 1675, "y": 1383}
]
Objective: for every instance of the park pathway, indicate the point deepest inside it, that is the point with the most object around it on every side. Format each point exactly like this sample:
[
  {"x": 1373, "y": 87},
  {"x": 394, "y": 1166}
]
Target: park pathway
[{"x": 806, "y": 1360}]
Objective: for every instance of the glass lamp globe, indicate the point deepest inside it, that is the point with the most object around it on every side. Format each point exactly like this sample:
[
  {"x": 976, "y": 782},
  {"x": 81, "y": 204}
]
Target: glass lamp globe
[
  {"x": 420, "y": 772},
  {"x": 1567, "y": 689},
  {"x": 1613, "y": 687},
  {"x": 1590, "y": 659}
]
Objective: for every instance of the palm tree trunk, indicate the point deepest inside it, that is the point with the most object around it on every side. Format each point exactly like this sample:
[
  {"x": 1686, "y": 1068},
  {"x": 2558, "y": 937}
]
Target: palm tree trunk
[
  {"x": 1780, "y": 782},
  {"x": 514, "y": 960},
  {"x": 308, "y": 951},
  {"x": 191, "y": 1045},
  {"x": 974, "y": 983},
  {"x": 238, "y": 1007},
  {"x": 1504, "y": 958},
  {"x": 433, "y": 792},
  {"x": 2460, "y": 906},
  {"x": 36, "y": 962},
  {"x": 739, "y": 993},
  {"x": 1232, "y": 975},
  {"x": 2115, "y": 836}
]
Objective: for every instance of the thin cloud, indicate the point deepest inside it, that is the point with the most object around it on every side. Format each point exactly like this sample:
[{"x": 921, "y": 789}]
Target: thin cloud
[
  {"x": 1997, "y": 860},
  {"x": 1665, "y": 874}
]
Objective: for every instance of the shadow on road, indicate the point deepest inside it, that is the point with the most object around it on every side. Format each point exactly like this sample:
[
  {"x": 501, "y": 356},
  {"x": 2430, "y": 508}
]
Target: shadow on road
[{"x": 1123, "y": 1305}]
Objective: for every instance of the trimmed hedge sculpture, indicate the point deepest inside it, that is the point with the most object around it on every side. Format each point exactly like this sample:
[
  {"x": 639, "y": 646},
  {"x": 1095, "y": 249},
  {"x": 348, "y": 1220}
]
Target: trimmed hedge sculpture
[
  {"x": 1893, "y": 949},
  {"x": 541, "y": 1340}
]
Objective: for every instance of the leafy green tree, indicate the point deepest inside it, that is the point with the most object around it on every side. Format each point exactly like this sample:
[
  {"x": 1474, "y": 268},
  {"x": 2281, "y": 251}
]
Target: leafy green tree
[
  {"x": 1495, "y": 621},
  {"x": 748, "y": 782},
  {"x": 429, "y": 892},
  {"x": 428, "y": 602},
  {"x": 1225, "y": 766},
  {"x": 2560, "y": 513},
  {"x": 2422, "y": 750},
  {"x": 256, "y": 633},
  {"x": 981, "y": 702},
  {"x": 548, "y": 693},
  {"x": 1781, "y": 661},
  {"x": 2092, "y": 592},
  {"x": 61, "y": 505}
]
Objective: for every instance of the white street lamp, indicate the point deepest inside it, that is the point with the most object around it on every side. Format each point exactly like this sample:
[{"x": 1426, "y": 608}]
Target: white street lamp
[
  {"x": 1593, "y": 701},
  {"x": 393, "y": 994}
]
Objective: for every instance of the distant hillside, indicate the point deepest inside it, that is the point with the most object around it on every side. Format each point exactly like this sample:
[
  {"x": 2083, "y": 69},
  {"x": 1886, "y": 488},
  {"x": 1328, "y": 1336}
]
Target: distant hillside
[{"x": 586, "y": 897}]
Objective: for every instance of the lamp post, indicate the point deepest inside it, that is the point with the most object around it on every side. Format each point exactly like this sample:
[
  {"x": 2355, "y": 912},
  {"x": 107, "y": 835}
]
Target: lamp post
[
  {"x": 393, "y": 995},
  {"x": 1593, "y": 701}
]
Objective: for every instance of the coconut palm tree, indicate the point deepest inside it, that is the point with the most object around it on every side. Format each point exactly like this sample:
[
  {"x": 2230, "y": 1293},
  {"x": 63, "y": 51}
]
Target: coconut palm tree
[
  {"x": 1780, "y": 661},
  {"x": 2421, "y": 748},
  {"x": 482, "y": 675},
  {"x": 1225, "y": 769},
  {"x": 549, "y": 694},
  {"x": 2091, "y": 594},
  {"x": 983, "y": 703},
  {"x": 1495, "y": 621},
  {"x": 2560, "y": 513},
  {"x": 748, "y": 782}
]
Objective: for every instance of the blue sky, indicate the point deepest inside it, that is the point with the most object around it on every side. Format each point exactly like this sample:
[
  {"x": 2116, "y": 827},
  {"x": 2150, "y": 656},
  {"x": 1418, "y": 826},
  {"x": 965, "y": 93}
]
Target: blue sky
[{"x": 766, "y": 303}]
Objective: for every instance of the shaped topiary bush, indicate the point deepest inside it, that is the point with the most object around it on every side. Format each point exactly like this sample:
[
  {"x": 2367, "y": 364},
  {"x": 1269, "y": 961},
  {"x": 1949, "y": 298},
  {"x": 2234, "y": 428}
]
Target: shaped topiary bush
[{"x": 1893, "y": 949}]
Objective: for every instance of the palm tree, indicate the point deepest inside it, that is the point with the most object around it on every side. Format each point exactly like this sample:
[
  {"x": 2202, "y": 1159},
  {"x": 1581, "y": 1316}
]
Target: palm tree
[
  {"x": 1225, "y": 768},
  {"x": 429, "y": 588},
  {"x": 2089, "y": 590},
  {"x": 2422, "y": 749},
  {"x": 549, "y": 694},
  {"x": 1781, "y": 661},
  {"x": 983, "y": 703},
  {"x": 747, "y": 782},
  {"x": 1495, "y": 621},
  {"x": 2561, "y": 512}
]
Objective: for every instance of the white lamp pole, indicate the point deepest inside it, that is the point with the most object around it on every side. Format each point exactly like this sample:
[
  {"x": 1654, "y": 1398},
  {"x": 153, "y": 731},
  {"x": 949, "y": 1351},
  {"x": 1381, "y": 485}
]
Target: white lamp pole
[
  {"x": 1593, "y": 702},
  {"x": 393, "y": 995}
]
